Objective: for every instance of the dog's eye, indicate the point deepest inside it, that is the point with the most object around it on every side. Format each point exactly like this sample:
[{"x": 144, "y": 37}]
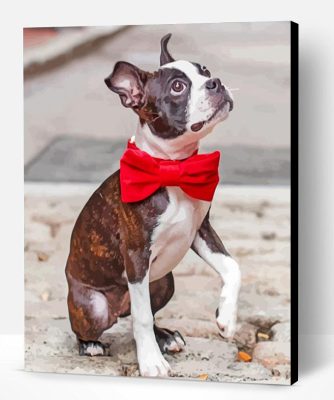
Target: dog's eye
[{"x": 177, "y": 87}]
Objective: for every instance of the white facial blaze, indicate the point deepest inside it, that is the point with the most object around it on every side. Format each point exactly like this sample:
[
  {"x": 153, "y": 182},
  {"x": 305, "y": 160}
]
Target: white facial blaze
[
  {"x": 199, "y": 109},
  {"x": 199, "y": 106}
]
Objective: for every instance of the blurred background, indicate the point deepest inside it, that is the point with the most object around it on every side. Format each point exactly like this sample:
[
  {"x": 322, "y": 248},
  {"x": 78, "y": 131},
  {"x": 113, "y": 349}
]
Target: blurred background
[{"x": 75, "y": 128}]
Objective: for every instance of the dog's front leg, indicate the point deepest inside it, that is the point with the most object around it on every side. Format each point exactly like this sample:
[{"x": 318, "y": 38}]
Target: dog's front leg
[
  {"x": 151, "y": 361},
  {"x": 210, "y": 248},
  {"x": 136, "y": 253}
]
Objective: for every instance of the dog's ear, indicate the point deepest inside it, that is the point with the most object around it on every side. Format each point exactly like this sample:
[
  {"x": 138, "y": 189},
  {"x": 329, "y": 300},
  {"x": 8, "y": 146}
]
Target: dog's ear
[
  {"x": 165, "y": 56},
  {"x": 128, "y": 82}
]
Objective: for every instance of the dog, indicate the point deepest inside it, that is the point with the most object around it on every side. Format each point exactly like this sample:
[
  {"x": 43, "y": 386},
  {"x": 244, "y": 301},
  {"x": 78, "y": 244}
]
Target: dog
[{"x": 122, "y": 252}]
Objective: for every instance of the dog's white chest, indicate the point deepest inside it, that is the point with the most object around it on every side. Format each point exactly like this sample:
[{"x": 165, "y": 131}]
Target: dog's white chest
[{"x": 175, "y": 231}]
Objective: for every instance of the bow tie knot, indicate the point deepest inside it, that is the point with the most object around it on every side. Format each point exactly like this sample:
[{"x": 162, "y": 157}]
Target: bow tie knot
[
  {"x": 170, "y": 173},
  {"x": 141, "y": 174}
]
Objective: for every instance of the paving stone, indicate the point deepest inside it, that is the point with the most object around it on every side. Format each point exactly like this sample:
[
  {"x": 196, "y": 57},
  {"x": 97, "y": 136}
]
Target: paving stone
[
  {"x": 282, "y": 332},
  {"x": 249, "y": 371},
  {"x": 271, "y": 354},
  {"x": 246, "y": 336}
]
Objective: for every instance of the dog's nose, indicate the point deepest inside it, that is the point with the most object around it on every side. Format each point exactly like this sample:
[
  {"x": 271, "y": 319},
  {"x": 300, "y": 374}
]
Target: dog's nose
[{"x": 214, "y": 84}]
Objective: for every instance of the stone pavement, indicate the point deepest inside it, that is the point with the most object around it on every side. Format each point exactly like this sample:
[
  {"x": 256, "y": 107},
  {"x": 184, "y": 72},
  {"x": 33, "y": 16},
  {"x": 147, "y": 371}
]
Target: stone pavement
[{"x": 254, "y": 223}]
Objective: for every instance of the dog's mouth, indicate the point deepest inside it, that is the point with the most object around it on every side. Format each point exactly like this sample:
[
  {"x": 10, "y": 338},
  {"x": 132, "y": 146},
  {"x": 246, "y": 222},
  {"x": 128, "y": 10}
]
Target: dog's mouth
[{"x": 199, "y": 125}]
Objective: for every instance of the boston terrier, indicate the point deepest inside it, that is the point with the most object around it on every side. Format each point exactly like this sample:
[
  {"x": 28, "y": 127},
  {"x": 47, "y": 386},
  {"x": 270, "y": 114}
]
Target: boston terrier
[{"x": 139, "y": 224}]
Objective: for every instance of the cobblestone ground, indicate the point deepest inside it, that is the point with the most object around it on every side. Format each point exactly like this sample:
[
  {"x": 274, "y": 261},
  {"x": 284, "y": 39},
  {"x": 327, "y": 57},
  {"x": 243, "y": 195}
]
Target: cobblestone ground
[{"x": 254, "y": 224}]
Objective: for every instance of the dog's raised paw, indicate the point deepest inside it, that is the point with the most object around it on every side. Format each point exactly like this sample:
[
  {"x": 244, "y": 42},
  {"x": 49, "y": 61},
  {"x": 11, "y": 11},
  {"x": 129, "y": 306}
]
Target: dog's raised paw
[
  {"x": 91, "y": 348},
  {"x": 226, "y": 322}
]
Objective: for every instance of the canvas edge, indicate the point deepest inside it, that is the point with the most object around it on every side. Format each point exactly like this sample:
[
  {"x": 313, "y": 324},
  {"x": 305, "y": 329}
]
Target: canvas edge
[
  {"x": 294, "y": 158},
  {"x": 294, "y": 31}
]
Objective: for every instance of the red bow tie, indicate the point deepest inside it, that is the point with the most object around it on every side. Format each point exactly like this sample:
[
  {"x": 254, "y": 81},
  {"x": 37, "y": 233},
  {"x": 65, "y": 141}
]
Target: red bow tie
[{"x": 141, "y": 174}]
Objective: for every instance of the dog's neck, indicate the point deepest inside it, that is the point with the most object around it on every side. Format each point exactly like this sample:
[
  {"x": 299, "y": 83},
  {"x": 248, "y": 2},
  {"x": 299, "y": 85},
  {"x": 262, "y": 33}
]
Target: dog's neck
[{"x": 167, "y": 149}]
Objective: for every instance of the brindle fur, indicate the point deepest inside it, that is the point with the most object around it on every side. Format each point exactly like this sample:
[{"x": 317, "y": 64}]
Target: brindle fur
[
  {"x": 209, "y": 235},
  {"x": 109, "y": 239}
]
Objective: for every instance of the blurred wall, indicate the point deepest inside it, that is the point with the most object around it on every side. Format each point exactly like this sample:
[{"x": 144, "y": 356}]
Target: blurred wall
[{"x": 253, "y": 58}]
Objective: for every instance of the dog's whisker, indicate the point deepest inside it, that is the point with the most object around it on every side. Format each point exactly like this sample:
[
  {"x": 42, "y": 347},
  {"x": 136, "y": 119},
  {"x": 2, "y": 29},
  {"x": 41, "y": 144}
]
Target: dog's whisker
[{"x": 233, "y": 89}]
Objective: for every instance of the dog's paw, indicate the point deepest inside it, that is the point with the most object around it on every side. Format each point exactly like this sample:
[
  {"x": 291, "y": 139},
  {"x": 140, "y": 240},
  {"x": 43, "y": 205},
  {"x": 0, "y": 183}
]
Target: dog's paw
[
  {"x": 153, "y": 365},
  {"x": 91, "y": 348},
  {"x": 226, "y": 318},
  {"x": 169, "y": 341}
]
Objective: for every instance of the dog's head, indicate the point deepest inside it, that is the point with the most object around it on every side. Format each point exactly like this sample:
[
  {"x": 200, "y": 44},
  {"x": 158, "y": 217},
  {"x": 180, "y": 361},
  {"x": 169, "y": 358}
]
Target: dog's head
[{"x": 181, "y": 98}]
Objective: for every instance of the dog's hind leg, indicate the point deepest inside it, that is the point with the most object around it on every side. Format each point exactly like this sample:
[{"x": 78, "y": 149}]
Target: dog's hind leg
[
  {"x": 89, "y": 317},
  {"x": 161, "y": 291}
]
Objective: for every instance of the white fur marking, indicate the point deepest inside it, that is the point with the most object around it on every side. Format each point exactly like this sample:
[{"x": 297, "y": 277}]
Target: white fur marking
[
  {"x": 229, "y": 271},
  {"x": 175, "y": 231},
  {"x": 189, "y": 69},
  {"x": 151, "y": 361},
  {"x": 172, "y": 149},
  {"x": 199, "y": 106},
  {"x": 100, "y": 306},
  {"x": 94, "y": 350}
]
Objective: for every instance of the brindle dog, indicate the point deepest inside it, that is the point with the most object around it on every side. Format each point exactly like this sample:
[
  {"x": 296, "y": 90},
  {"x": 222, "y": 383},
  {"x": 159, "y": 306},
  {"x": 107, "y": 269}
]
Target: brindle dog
[{"x": 122, "y": 254}]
